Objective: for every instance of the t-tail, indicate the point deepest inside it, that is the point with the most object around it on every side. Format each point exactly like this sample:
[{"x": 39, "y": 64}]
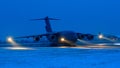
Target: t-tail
[{"x": 47, "y": 22}]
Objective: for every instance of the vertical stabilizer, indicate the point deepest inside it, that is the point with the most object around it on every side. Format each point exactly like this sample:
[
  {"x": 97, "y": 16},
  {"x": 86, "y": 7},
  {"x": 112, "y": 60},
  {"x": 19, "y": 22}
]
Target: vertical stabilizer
[{"x": 47, "y": 22}]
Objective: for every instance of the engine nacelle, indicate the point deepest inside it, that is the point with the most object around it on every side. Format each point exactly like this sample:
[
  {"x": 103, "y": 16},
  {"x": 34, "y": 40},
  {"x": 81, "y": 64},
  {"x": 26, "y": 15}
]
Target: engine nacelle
[
  {"x": 89, "y": 36},
  {"x": 36, "y": 38},
  {"x": 52, "y": 38},
  {"x": 80, "y": 36}
]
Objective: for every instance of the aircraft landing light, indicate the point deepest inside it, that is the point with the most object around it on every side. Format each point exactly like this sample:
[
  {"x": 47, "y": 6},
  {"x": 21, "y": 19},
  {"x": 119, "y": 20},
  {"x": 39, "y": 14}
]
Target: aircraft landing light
[
  {"x": 100, "y": 36},
  {"x": 103, "y": 37},
  {"x": 62, "y": 39},
  {"x": 9, "y": 39}
]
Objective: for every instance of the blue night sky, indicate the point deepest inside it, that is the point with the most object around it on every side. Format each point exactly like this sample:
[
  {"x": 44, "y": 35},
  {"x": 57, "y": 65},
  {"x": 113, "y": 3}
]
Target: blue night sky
[{"x": 85, "y": 16}]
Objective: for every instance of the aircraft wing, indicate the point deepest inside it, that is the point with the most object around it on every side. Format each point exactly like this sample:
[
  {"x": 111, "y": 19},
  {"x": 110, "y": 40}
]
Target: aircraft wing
[{"x": 32, "y": 36}]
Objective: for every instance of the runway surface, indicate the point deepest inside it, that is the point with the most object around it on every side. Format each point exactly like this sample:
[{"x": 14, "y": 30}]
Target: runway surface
[{"x": 59, "y": 57}]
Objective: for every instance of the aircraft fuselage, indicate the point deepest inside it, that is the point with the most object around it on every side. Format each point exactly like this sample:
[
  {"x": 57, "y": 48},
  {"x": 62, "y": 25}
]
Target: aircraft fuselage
[{"x": 63, "y": 37}]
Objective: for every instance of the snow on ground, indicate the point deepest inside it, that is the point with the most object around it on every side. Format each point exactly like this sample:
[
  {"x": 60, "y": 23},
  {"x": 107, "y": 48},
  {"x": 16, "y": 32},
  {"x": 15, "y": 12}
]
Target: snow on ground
[{"x": 53, "y": 57}]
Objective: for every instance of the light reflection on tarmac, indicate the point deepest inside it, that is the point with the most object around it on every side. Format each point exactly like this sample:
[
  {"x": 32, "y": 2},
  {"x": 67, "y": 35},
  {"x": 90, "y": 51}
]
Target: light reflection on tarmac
[
  {"x": 76, "y": 47},
  {"x": 87, "y": 56},
  {"x": 18, "y": 48}
]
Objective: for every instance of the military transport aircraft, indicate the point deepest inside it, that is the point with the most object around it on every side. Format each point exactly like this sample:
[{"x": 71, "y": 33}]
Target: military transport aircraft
[{"x": 61, "y": 38}]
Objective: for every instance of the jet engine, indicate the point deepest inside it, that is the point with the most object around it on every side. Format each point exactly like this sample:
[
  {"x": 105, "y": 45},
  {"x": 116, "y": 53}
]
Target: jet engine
[
  {"x": 80, "y": 36},
  {"x": 36, "y": 38},
  {"x": 89, "y": 36},
  {"x": 52, "y": 37}
]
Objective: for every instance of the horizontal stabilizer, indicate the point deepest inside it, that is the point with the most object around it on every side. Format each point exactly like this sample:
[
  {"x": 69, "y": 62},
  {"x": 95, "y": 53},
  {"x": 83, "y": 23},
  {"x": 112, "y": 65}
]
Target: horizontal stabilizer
[
  {"x": 46, "y": 18},
  {"x": 47, "y": 21}
]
